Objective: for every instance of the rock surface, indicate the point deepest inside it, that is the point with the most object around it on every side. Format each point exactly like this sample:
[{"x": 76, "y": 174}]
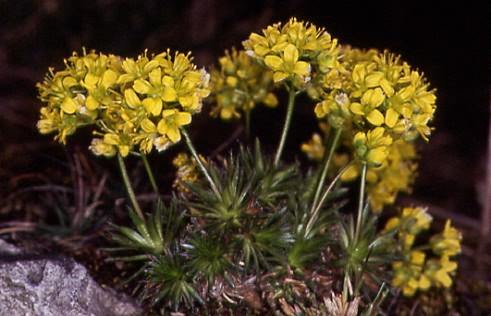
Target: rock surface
[{"x": 33, "y": 285}]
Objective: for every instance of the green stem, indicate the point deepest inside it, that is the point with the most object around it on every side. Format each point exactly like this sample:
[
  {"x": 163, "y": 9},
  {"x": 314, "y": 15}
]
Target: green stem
[
  {"x": 316, "y": 210},
  {"x": 322, "y": 178},
  {"x": 200, "y": 163},
  {"x": 129, "y": 188},
  {"x": 361, "y": 200},
  {"x": 286, "y": 126},
  {"x": 151, "y": 177}
]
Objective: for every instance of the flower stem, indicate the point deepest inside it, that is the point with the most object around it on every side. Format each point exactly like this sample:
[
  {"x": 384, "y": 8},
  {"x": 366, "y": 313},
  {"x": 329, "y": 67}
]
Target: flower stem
[
  {"x": 316, "y": 210},
  {"x": 129, "y": 188},
  {"x": 150, "y": 174},
  {"x": 361, "y": 200},
  {"x": 323, "y": 175},
  {"x": 286, "y": 126},
  {"x": 200, "y": 163}
]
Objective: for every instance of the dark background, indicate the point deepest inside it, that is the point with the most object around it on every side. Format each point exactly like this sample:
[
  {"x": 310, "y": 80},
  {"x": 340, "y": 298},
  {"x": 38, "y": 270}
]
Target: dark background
[{"x": 448, "y": 42}]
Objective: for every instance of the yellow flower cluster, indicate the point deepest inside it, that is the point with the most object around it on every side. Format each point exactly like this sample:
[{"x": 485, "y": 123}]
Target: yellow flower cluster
[
  {"x": 294, "y": 51},
  {"x": 376, "y": 94},
  {"x": 415, "y": 271},
  {"x": 239, "y": 84},
  {"x": 379, "y": 90},
  {"x": 187, "y": 171},
  {"x": 129, "y": 102}
]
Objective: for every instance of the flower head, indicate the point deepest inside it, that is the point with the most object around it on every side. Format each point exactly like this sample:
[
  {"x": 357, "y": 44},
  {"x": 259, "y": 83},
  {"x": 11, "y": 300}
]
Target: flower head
[
  {"x": 382, "y": 91},
  {"x": 132, "y": 102},
  {"x": 448, "y": 242},
  {"x": 293, "y": 50},
  {"x": 239, "y": 84}
]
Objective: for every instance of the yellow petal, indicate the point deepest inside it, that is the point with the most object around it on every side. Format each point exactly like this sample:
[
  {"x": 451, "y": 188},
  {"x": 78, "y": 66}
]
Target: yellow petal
[
  {"x": 142, "y": 86},
  {"x": 155, "y": 77},
  {"x": 162, "y": 126},
  {"x": 392, "y": 223},
  {"x": 151, "y": 65},
  {"x": 407, "y": 92},
  {"x": 387, "y": 87},
  {"x": 68, "y": 105},
  {"x": 174, "y": 134},
  {"x": 360, "y": 138},
  {"x": 153, "y": 105},
  {"x": 69, "y": 82},
  {"x": 373, "y": 97},
  {"x": 190, "y": 102},
  {"x": 442, "y": 277},
  {"x": 391, "y": 118},
  {"x": 302, "y": 68},
  {"x": 356, "y": 108},
  {"x": 418, "y": 257},
  {"x": 91, "y": 80},
  {"x": 424, "y": 283},
  {"x": 148, "y": 126},
  {"x": 182, "y": 118},
  {"x": 359, "y": 73},
  {"x": 290, "y": 54},
  {"x": 279, "y": 76},
  {"x": 109, "y": 78},
  {"x": 168, "y": 112},
  {"x": 274, "y": 62},
  {"x": 375, "y": 118},
  {"x": 232, "y": 81},
  {"x": 91, "y": 103},
  {"x": 131, "y": 98},
  {"x": 169, "y": 94},
  {"x": 111, "y": 139},
  {"x": 373, "y": 79},
  {"x": 270, "y": 100},
  {"x": 377, "y": 156},
  {"x": 124, "y": 150}
]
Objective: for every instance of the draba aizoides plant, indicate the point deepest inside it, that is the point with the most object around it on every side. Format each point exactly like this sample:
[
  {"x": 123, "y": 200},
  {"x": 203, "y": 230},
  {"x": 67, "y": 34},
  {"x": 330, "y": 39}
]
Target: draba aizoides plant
[{"x": 251, "y": 231}]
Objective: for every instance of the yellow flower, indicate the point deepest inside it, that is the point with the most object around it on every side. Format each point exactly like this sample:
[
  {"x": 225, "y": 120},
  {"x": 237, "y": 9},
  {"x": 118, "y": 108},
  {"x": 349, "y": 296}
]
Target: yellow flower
[
  {"x": 407, "y": 273},
  {"x": 110, "y": 144},
  {"x": 149, "y": 137},
  {"x": 157, "y": 88},
  {"x": 372, "y": 147},
  {"x": 133, "y": 101},
  {"x": 314, "y": 148},
  {"x": 447, "y": 243},
  {"x": 371, "y": 99},
  {"x": 439, "y": 271},
  {"x": 287, "y": 65},
  {"x": 239, "y": 84},
  {"x": 100, "y": 148},
  {"x": 133, "y": 70},
  {"x": 170, "y": 123}
]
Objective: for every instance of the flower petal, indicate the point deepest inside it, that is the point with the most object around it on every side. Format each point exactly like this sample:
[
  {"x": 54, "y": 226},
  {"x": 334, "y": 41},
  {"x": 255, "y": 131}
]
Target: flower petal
[
  {"x": 182, "y": 118},
  {"x": 290, "y": 54},
  {"x": 131, "y": 98},
  {"x": 142, "y": 86},
  {"x": 274, "y": 62},
  {"x": 375, "y": 118},
  {"x": 68, "y": 105},
  {"x": 153, "y": 105}
]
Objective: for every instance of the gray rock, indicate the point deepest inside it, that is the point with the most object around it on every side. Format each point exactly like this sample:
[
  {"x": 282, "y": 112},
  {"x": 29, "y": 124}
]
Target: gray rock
[{"x": 55, "y": 286}]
